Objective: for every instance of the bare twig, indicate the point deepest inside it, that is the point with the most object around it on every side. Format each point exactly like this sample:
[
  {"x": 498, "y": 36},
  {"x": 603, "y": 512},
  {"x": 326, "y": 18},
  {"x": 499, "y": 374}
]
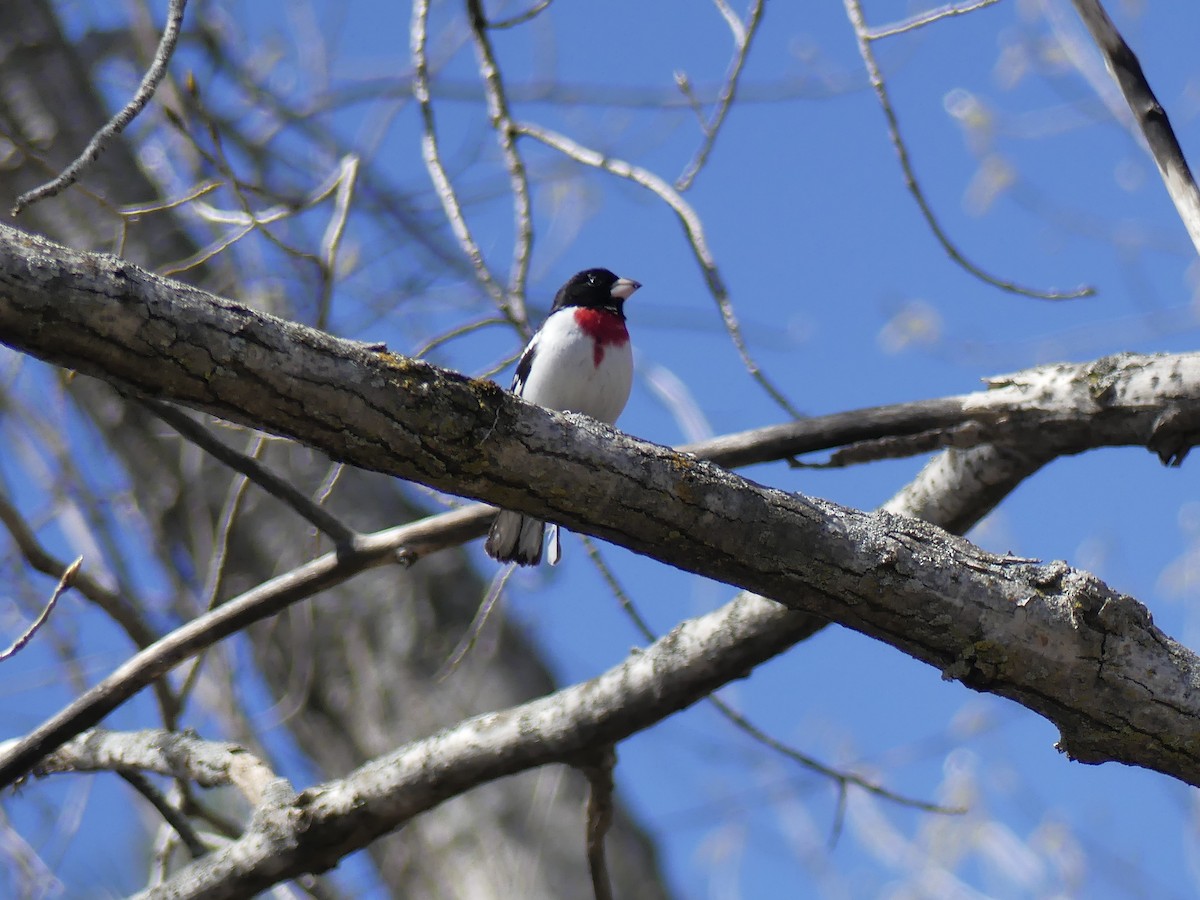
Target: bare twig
[
  {"x": 482, "y": 615},
  {"x": 223, "y": 532},
  {"x": 331, "y": 241},
  {"x": 325, "y": 521},
  {"x": 202, "y": 189},
  {"x": 172, "y": 816},
  {"x": 249, "y": 217},
  {"x": 67, "y": 579},
  {"x": 692, "y": 226},
  {"x": 520, "y": 18},
  {"x": 599, "y": 773},
  {"x": 743, "y": 34},
  {"x": 418, "y": 37},
  {"x": 262, "y": 601},
  {"x": 458, "y": 331},
  {"x": 926, "y": 18},
  {"x": 842, "y": 779},
  {"x": 1149, "y": 114},
  {"x": 216, "y": 568},
  {"x": 863, "y": 34},
  {"x": 37, "y": 556},
  {"x": 124, "y": 613},
  {"x": 501, "y": 118},
  {"x": 24, "y": 866},
  {"x": 118, "y": 123},
  {"x": 200, "y": 257},
  {"x": 135, "y": 211}
]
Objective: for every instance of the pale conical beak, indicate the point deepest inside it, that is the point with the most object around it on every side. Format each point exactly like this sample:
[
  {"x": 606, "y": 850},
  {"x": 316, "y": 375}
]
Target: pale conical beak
[{"x": 624, "y": 288}]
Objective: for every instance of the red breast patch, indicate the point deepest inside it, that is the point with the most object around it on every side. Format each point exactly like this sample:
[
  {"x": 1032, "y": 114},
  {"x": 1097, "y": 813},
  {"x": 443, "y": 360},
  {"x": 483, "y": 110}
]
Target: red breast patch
[{"x": 603, "y": 327}]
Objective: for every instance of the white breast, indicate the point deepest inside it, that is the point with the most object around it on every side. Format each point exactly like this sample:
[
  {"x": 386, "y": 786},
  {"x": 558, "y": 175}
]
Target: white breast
[{"x": 565, "y": 376}]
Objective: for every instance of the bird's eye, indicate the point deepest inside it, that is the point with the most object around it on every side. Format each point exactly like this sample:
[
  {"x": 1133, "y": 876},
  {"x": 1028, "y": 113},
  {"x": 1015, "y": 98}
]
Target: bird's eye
[{"x": 591, "y": 279}]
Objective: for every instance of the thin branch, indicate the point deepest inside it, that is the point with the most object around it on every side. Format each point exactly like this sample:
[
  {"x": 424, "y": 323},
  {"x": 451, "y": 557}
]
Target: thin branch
[
  {"x": 418, "y": 37},
  {"x": 223, "y": 532},
  {"x": 67, "y": 579},
  {"x": 1148, "y": 112},
  {"x": 202, "y": 256},
  {"x": 482, "y": 615},
  {"x": 172, "y": 816},
  {"x": 607, "y": 95},
  {"x": 692, "y": 226},
  {"x": 118, "y": 123},
  {"x": 248, "y": 217},
  {"x": 458, "y": 331},
  {"x": 75, "y": 492},
  {"x": 215, "y": 580},
  {"x": 743, "y": 34},
  {"x": 124, "y": 613},
  {"x": 617, "y": 589},
  {"x": 520, "y": 18},
  {"x": 501, "y": 119},
  {"x": 136, "y": 210},
  {"x": 926, "y": 18},
  {"x": 684, "y": 83},
  {"x": 24, "y": 865},
  {"x": 38, "y": 557},
  {"x": 258, "y": 603},
  {"x": 331, "y": 240},
  {"x": 863, "y": 35},
  {"x": 322, "y": 519},
  {"x": 842, "y": 779},
  {"x": 598, "y": 770}
]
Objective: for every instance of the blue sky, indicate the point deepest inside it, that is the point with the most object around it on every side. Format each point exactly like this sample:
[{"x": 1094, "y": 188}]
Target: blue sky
[
  {"x": 824, "y": 250},
  {"x": 847, "y": 301}
]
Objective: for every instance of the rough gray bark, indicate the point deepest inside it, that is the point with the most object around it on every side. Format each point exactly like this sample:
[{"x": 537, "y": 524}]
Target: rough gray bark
[
  {"x": 395, "y": 627},
  {"x": 1052, "y": 638}
]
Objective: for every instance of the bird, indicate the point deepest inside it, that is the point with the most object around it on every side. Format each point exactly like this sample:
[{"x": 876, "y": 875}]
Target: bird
[{"x": 580, "y": 361}]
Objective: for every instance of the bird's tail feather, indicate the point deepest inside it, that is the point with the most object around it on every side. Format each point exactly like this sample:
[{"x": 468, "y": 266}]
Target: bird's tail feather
[{"x": 516, "y": 538}]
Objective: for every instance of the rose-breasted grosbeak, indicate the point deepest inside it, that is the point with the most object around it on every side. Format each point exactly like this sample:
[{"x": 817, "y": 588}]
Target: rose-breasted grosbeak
[{"x": 579, "y": 361}]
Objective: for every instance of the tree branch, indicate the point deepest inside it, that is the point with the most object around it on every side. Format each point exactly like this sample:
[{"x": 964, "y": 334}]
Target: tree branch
[
  {"x": 599, "y": 772},
  {"x": 1052, "y": 638},
  {"x": 67, "y": 579},
  {"x": 320, "y": 518},
  {"x": 311, "y": 831},
  {"x": 865, "y": 36},
  {"x": 177, "y": 754},
  {"x": 173, "y": 817},
  {"x": 118, "y": 123},
  {"x": 743, "y": 35},
  {"x": 501, "y": 119},
  {"x": 1148, "y": 113},
  {"x": 692, "y": 226}
]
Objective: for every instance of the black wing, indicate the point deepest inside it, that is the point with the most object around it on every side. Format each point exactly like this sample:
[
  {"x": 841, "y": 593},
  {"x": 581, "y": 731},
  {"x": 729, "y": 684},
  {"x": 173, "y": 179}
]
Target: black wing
[{"x": 523, "y": 367}]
